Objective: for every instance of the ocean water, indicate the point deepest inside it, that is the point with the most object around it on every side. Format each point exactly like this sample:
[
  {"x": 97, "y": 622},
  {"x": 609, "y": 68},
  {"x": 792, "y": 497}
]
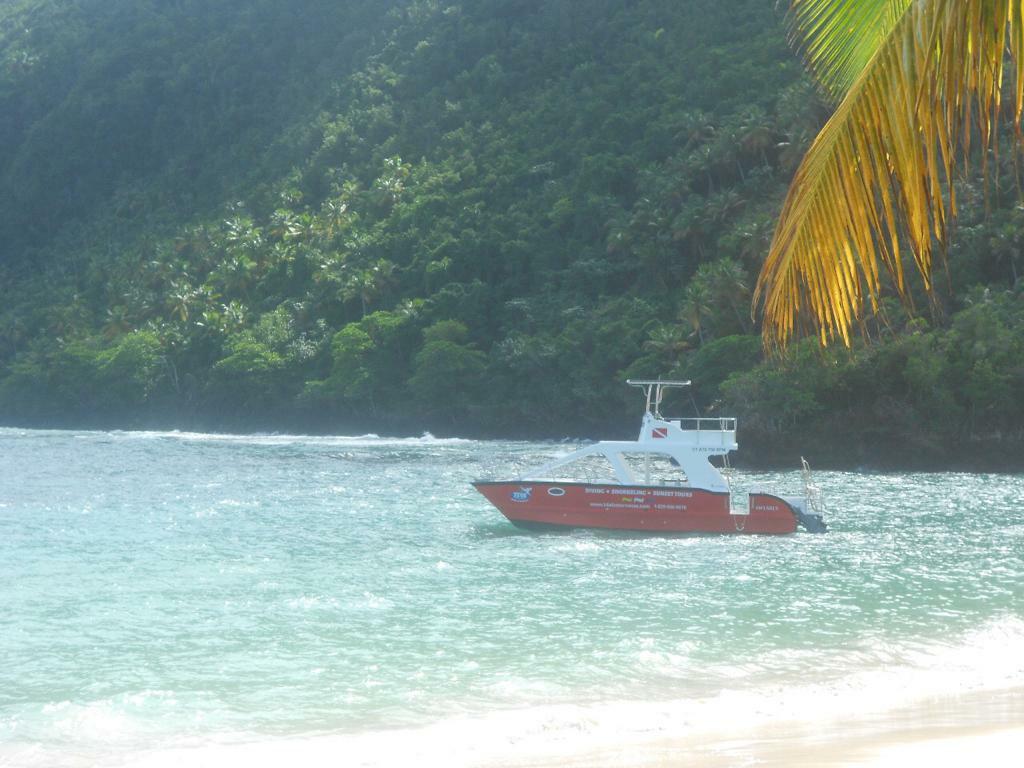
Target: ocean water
[{"x": 188, "y": 599}]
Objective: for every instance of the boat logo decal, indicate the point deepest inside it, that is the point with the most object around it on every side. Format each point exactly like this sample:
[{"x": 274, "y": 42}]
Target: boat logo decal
[
  {"x": 556, "y": 491},
  {"x": 523, "y": 494},
  {"x": 659, "y": 432}
]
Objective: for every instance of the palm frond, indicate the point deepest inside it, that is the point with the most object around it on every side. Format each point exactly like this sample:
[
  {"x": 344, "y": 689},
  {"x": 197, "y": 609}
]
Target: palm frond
[
  {"x": 876, "y": 183},
  {"x": 839, "y": 37}
]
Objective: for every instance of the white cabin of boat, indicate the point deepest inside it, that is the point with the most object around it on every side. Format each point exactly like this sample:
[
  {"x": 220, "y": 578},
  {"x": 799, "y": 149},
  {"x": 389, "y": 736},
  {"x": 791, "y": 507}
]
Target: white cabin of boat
[{"x": 689, "y": 442}]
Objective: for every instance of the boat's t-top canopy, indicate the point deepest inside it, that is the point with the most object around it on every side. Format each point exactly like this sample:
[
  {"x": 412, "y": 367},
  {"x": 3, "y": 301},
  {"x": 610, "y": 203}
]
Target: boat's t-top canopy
[
  {"x": 655, "y": 392},
  {"x": 688, "y": 442}
]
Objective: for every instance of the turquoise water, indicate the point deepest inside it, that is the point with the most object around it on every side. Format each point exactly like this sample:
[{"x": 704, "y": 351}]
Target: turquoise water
[{"x": 162, "y": 592}]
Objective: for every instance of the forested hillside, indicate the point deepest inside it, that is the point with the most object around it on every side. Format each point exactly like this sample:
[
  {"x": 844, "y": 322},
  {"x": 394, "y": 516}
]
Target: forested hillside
[{"x": 469, "y": 217}]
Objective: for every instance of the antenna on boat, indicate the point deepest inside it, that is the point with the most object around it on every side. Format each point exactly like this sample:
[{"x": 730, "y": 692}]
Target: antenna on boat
[
  {"x": 654, "y": 391},
  {"x": 696, "y": 410}
]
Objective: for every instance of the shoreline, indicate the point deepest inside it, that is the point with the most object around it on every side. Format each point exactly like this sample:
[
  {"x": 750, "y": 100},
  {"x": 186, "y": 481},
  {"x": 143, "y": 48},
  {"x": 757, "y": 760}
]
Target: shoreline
[
  {"x": 740, "y": 461},
  {"x": 985, "y": 727},
  {"x": 991, "y": 747},
  {"x": 981, "y": 727}
]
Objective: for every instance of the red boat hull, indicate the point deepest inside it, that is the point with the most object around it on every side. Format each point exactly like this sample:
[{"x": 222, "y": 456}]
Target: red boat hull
[{"x": 660, "y": 508}]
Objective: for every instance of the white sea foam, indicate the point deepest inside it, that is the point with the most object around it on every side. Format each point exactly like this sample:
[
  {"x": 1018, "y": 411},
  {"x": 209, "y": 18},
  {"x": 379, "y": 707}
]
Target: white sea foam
[
  {"x": 374, "y": 602},
  {"x": 987, "y": 659},
  {"x": 308, "y": 602},
  {"x": 540, "y": 736},
  {"x": 578, "y": 546},
  {"x": 369, "y": 439}
]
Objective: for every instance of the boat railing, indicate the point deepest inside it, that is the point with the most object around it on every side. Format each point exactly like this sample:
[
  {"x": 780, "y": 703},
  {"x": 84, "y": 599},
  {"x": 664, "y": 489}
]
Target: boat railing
[{"x": 706, "y": 424}]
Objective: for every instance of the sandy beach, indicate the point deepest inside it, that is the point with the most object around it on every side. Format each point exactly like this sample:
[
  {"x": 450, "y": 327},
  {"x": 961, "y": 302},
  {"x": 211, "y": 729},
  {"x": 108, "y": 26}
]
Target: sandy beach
[
  {"x": 980, "y": 728},
  {"x": 978, "y": 746}
]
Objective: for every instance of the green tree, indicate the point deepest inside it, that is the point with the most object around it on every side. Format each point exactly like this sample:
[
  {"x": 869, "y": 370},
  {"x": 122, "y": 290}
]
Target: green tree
[
  {"x": 249, "y": 379},
  {"x": 447, "y": 373},
  {"x": 130, "y": 371}
]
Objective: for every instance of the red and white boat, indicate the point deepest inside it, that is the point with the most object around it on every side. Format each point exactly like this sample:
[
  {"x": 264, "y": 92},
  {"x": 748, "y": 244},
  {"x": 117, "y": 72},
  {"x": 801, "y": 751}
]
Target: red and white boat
[{"x": 663, "y": 481}]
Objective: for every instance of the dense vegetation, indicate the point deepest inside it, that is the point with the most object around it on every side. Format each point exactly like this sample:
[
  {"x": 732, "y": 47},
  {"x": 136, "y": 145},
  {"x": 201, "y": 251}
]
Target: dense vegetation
[{"x": 464, "y": 217}]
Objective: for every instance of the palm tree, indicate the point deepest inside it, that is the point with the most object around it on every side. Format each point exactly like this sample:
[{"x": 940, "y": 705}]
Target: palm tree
[
  {"x": 697, "y": 305},
  {"x": 916, "y": 82},
  {"x": 731, "y": 286},
  {"x": 694, "y": 128},
  {"x": 181, "y": 297},
  {"x": 755, "y": 238},
  {"x": 119, "y": 322},
  {"x": 368, "y": 284},
  {"x": 667, "y": 342}
]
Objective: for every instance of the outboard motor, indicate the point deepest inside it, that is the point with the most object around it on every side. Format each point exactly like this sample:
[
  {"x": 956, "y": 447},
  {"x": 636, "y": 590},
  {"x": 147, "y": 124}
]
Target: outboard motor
[
  {"x": 806, "y": 516},
  {"x": 811, "y": 523}
]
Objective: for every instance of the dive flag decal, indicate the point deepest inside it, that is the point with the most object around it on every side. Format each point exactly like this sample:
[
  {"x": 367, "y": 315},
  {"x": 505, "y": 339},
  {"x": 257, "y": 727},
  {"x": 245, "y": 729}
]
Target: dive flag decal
[{"x": 659, "y": 432}]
